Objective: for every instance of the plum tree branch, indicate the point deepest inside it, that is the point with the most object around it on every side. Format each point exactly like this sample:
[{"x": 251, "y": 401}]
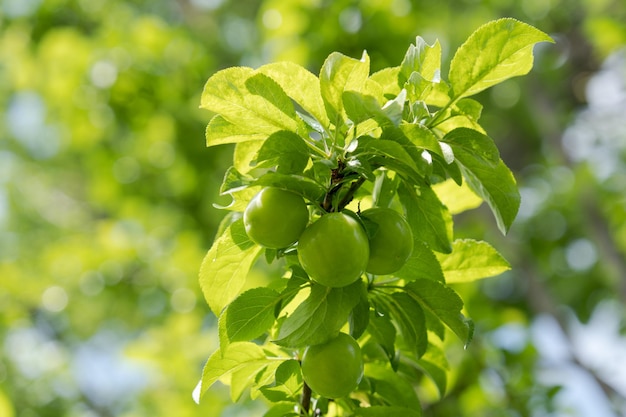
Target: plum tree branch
[{"x": 306, "y": 400}]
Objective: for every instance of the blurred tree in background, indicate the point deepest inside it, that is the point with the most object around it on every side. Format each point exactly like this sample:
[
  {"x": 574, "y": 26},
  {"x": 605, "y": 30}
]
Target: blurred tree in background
[{"x": 107, "y": 193}]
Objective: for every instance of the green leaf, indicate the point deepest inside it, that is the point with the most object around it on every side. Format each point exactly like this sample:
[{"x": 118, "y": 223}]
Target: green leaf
[
  {"x": 237, "y": 356},
  {"x": 423, "y": 138},
  {"x": 387, "y": 78},
  {"x": 245, "y": 155},
  {"x": 469, "y": 107},
  {"x": 409, "y": 317},
  {"x": 435, "y": 365},
  {"x": 429, "y": 219},
  {"x": 385, "y": 187},
  {"x": 471, "y": 260},
  {"x": 442, "y": 303},
  {"x": 240, "y": 199},
  {"x": 319, "y": 317},
  {"x": 295, "y": 283},
  {"x": 418, "y": 89},
  {"x": 420, "y": 69},
  {"x": 267, "y": 374},
  {"x": 387, "y": 411},
  {"x": 340, "y": 73},
  {"x": 235, "y": 181},
  {"x": 251, "y": 314},
  {"x": 423, "y": 59},
  {"x": 458, "y": 198},
  {"x": 496, "y": 51},
  {"x": 359, "y": 316},
  {"x": 470, "y": 143},
  {"x": 299, "y": 184},
  {"x": 360, "y": 107},
  {"x": 283, "y": 409},
  {"x": 415, "y": 152},
  {"x": 393, "y": 156},
  {"x": 394, "y": 109},
  {"x": 221, "y": 331},
  {"x": 225, "y": 267},
  {"x": 250, "y": 100},
  {"x": 286, "y": 150},
  {"x": 422, "y": 264},
  {"x": 287, "y": 384},
  {"x": 486, "y": 173},
  {"x": 498, "y": 188},
  {"x": 220, "y": 131},
  {"x": 395, "y": 390},
  {"x": 299, "y": 84},
  {"x": 390, "y": 150},
  {"x": 245, "y": 377},
  {"x": 383, "y": 332}
]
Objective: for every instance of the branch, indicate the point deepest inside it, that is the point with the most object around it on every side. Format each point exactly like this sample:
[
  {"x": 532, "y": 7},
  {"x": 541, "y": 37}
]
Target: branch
[{"x": 306, "y": 400}]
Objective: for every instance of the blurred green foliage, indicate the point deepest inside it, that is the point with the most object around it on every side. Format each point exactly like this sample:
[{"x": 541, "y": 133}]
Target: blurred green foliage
[{"x": 107, "y": 193}]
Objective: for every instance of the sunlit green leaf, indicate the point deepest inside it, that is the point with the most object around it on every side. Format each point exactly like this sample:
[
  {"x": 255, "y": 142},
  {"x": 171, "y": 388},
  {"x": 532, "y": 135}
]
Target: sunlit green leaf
[
  {"x": 469, "y": 107},
  {"x": 384, "y": 190},
  {"x": 286, "y": 150},
  {"x": 471, "y": 260},
  {"x": 420, "y": 69},
  {"x": 387, "y": 411},
  {"x": 245, "y": 154},
  {"x": 220, "y": 131},
  {"x": 304, "y": 186},
  {"x": 394, "y": 156},
  {"x": 225, "y": 267},
  {"x": 393, "y": 388},
  {"x": 360, "y": 107},
  {"x": 250, "y": 314},
  {"x": 287, "y": 384},
  {"x": 299, "y": 84},
  {"x": 457, "y": 198},
  {"x": 496, "y": 51},
  {"x": 422, "y": 264},
  {"x": 319, "y": 317},
  {"x": 422, "y": 138},
  {"x": 430, "y": 221},
  {"x": 359, "y": 316},
  {"x": 471, "y": 143},
  {"x": 409, "y": 317},
  {"x": 250, "y": 100},
  {"x": 340, "y": 73},
  {"x": 234, "y": 181},
  {"x": 282, "y": 409},
  {"x": 383, "y": 332},
  {"x": 423, "y": 59},
  {"x": 498, "y": 188},
  {"x": 244, "y": 377},
  {"x": 387, "y": 78},
  {"x": 237, "y": 356},
  {"x": 442, "y": 303},
  {"x": 486, "y": 173},
  {"x": 435, "y": 365}
]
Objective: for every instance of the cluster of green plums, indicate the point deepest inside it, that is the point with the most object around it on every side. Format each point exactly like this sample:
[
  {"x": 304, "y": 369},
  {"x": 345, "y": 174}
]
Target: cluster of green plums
[{"x": 334, "y": 250}]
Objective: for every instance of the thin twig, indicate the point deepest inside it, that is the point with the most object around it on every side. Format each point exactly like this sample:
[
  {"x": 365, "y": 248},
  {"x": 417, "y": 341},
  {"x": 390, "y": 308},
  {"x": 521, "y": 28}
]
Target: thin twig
[{"x": 306, "y": 400}]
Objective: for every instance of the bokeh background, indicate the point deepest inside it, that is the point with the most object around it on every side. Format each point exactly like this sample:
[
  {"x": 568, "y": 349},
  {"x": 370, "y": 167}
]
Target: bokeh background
[{"x": 107, "y": 193}]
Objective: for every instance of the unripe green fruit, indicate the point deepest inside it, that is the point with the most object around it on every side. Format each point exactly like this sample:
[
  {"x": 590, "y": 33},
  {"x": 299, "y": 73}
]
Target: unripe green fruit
[
  {"x": 334, "y": 250},
  {"x": 275, "y": 218},
  {"x": 335, "y": 368},
  {"x": 391, "y": 244}
]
